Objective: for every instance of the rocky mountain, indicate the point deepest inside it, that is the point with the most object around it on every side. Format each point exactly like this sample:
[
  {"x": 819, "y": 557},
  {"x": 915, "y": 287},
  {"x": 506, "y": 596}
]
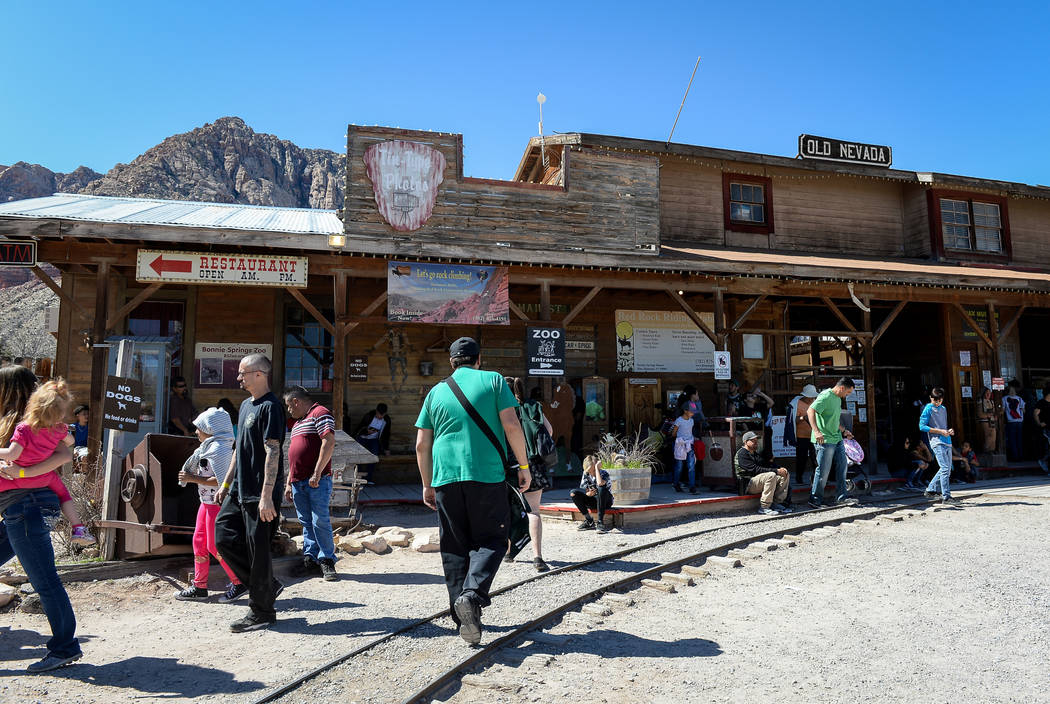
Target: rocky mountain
[
  {"x": 22, "y": 326},
  {"x": 223, "y": 162}
]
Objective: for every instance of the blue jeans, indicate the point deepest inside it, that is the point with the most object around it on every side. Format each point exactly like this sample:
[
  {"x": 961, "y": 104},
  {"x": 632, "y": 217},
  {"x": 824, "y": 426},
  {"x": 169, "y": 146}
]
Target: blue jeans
[
  {"x": 690, "y": 462},
  {"x": 311, "y": 506},
  {"x": 1013, "y": 441},
  {"x": 940, "y": 483},
  {"x": 26, "y": 532},
  {"x": 372, "y": 445},
  {"x": 829, "y": 456}
]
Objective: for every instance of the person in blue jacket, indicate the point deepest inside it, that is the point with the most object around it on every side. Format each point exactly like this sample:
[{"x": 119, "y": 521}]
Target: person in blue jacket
[{"x": 934, "y": 422}]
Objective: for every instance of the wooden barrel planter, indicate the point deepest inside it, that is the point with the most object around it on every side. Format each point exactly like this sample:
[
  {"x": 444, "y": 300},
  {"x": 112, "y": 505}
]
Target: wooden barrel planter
[{"x": 630, "y": 485}]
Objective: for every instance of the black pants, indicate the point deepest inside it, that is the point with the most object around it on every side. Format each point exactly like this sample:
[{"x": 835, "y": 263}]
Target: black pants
[
  {"x": 584, "y": 502},
  {"x": 473, "y": 518},
  {"x": 244, "y": 543},
  {"x": 805, "y": 457}
]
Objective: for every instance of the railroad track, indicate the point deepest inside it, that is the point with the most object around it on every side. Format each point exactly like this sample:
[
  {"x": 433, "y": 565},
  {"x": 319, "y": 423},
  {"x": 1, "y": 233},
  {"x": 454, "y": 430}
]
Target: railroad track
[{"x": 424, "y": 643}]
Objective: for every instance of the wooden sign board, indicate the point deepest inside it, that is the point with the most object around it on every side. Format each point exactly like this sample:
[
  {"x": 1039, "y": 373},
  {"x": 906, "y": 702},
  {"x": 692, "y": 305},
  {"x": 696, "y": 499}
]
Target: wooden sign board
[
  {"x": 357, "y": 368},
  {"x": 827, "y": 149},
  {"x": 223, "y": 269},
  {"x": 17, "y": 253},
  {"x": 122, "y": 404}
]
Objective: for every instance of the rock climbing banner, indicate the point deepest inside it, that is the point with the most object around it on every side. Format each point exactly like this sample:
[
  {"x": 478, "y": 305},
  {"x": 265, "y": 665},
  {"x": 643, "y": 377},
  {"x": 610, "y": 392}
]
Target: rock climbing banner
[{"x": 450, "y": 294}]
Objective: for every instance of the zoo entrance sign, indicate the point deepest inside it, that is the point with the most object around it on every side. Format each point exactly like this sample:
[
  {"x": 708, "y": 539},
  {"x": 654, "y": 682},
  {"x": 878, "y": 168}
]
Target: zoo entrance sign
[{"x": 217, "y": 268}]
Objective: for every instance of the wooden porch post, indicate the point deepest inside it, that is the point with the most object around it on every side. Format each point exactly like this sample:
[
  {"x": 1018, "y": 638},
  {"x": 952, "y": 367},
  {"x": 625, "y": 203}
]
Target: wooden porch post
[
  {"x": 997, "y": 396},
  {"x": 869, "y": 389},
  {"x": 720, "y": 321},
  {"x": 339, "y": 351},
  {"x": 99, "y": 357}
]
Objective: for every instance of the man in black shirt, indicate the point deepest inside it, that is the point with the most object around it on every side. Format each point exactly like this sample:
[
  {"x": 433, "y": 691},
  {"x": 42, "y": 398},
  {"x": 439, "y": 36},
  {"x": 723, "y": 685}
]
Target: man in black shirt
[
  {"x": 1042, "y": 419},
  {"x": 761, "y": 476},
  {"x": 250, "y": 494}
]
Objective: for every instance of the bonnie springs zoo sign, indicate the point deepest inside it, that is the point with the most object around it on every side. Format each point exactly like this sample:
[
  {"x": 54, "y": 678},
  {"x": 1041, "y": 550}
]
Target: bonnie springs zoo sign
[{"x": 812, "y": 147}]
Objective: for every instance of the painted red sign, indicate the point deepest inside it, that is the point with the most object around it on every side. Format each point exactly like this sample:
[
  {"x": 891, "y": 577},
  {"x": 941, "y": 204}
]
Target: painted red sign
[
  {"x": 405, "y": 178},
  {"x": 17, "y": 253},
  {"x": 161, "y": 265}
]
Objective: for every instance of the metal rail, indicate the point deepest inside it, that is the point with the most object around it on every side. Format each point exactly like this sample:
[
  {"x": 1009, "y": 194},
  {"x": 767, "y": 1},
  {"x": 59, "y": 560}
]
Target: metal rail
[
  {"x": 451, "y": 675},
  {"x": 325, "y": 667}
]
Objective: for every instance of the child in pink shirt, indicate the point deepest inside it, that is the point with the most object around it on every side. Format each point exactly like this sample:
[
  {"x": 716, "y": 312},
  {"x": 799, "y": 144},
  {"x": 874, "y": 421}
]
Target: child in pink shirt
[{"x": 34, "y": 440}]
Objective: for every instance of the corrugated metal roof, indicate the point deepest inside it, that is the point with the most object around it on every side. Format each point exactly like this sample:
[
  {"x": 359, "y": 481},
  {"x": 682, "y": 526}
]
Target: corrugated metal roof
[{"x": 154, "y": 211}]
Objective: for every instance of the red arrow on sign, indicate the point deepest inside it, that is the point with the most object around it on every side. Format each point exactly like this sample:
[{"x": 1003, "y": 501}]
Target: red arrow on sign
[{"x": 178, "y": 266}]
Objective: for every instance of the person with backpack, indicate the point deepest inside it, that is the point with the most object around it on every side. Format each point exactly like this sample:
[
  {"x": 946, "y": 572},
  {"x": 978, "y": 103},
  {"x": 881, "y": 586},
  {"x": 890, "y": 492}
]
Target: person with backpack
[
  {"x": 1013, "y": 408},
  {"x": 464, "y": 477},
  {"x": 538, "y": 438}
]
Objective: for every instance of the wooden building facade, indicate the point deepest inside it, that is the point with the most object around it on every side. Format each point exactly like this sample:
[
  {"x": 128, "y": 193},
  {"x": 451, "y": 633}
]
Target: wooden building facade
[{"x": 804, "y": 271}]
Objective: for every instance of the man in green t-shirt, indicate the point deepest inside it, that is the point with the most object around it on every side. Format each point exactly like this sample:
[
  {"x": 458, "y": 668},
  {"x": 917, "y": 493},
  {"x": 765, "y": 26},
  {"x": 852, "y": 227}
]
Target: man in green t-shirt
[
  {"x": 463, "y": 479},
  {"x": 824, "y": 416}
]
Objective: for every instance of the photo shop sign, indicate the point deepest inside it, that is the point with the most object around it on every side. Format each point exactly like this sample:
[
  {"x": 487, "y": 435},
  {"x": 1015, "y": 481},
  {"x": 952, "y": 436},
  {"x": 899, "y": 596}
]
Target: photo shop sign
[{"x": 215, "y": 363}]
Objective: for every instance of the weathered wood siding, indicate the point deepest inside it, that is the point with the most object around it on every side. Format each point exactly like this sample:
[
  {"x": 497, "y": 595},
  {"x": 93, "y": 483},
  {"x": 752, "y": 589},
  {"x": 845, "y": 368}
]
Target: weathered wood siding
[
  {"x": 609, "y": 203},
  {"x": 691, "y": 203},
  {"x": 1029, "y": 231},
  {"x": 916, "y": 218}
]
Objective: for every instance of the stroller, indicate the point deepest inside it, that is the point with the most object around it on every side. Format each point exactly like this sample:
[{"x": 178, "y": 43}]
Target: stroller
[{"x": 857, "y": 480}]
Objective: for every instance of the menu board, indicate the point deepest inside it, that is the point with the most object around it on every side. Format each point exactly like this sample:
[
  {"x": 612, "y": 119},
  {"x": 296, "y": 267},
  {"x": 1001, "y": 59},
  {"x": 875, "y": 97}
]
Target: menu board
[{"x": 662, "y": 341}]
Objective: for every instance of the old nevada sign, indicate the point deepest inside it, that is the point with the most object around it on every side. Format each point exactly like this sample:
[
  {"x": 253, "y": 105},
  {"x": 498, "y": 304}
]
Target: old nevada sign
[
  {"x": 228, "y": 269},
  {"x": 812, "y": 147}
]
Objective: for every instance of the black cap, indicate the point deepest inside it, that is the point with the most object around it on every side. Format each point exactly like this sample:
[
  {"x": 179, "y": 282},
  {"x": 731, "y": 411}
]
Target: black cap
[{"x": 464, "y": 347}]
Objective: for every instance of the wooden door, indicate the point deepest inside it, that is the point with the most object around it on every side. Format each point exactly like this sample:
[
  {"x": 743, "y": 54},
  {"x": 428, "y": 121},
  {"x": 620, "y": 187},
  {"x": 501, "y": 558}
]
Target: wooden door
[
  {"x": 967, "y": 379},
  {"x": 642, "y": 398}
]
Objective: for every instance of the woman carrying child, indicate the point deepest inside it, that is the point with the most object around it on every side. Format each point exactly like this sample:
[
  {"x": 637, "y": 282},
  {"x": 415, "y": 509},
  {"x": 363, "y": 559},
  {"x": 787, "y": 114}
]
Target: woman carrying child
[{"x": 207, "y": 468}]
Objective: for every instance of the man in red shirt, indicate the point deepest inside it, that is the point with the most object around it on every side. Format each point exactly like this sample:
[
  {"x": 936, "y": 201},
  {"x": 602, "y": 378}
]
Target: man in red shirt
[{"x": 309, "y": 484}]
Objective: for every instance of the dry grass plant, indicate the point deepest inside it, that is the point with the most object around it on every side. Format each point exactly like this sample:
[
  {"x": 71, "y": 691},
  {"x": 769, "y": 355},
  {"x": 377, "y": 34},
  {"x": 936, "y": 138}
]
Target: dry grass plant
[
  {"x": 85, "y": 486},
  {"x": 628, "y": 452}
]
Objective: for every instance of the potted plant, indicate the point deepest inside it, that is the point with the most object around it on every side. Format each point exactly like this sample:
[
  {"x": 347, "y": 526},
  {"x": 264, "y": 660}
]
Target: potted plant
[{"x": 629, "y": 462}]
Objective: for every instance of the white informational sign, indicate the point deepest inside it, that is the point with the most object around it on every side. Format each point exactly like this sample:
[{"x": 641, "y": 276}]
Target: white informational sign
[
  {"x": 986, "y": 377},
  {"x": 862, "y": 415},
  {"x": 662, "y": 341},
  {"x": 998, "y": 384},
  {"x": 780, "y": 448},
  {"x": 964, "y": 358},
  {"x": 223, "y": 269},
  {"x": 753, "y": 347},
  {"x": 851, "y": 407},
  {"x": 215, "y": 363},
  {"x": 967, "y": 392},
  {"x": 723, "y": 365},
  {"x": 858, "y": 384},
  {"x": 862, "y": 397}
]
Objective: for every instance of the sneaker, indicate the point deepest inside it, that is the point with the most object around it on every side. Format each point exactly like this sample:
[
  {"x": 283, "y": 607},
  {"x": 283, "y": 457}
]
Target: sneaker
[
  {"x": 328, "y": 571},
  {"x": 309, "y": 568},
  {"x": 813, "y": 504},
  {"x": 929, "y": 494},
  {"x": 233, "y": 593},
  {"x": 848, "y": 501},
  {"x": 192, "y": 593},
  {"x": 601, "y": 527},
  {"x": 950, "y": 501},
  {"x": 81, "y": 536},
  {"x": 677, "y": 487},
  {"x": 767, "y": 512},
  {"x": 508, "y": 558},
  {"x": 692, "y": 490},
  {"x": 469, "y": 615},
  {"x": 540, "y": 565},
  {"x": 781, "y": 508},
  {"x": 586, "y": 525},
  {"x": 251, "y": 622},
  {"x": 52, "y": 662}
]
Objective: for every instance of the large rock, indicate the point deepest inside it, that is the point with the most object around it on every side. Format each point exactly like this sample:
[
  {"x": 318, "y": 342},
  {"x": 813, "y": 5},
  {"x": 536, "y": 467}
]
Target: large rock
[
  {"x": 9, "y": 576},
  {"x": 375, "y": 543},
  {"x": 350, "y": 546},
  {"x": 31, "y": 604},
  {"x": 427, "y": 542},
  {"x": 7, "y": 593},
  {"x": 401, "y": 539}
]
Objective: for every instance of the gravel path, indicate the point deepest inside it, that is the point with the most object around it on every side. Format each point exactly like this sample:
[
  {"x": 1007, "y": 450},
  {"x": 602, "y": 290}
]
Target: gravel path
[
  {"x": 946, "y": 607},
  {"x": 141, "y": 644}
]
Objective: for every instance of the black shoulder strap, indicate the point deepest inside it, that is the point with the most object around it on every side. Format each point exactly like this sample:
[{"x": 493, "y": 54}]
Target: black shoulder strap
[{"x": 473, "y": 413}]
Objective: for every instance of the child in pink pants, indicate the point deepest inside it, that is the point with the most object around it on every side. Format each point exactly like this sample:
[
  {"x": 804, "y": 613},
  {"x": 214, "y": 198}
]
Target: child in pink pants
[{"x": 206, "y": 468}]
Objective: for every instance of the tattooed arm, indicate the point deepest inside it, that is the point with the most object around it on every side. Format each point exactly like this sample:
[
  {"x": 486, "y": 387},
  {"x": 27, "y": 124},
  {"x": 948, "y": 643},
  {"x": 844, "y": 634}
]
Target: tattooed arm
[{"x": 267, "y": 511}]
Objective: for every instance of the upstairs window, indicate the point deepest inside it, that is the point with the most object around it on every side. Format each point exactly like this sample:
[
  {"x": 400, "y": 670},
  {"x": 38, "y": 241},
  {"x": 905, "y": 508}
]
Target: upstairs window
[
  {"x": 969, "y": 225},
  {"x": 972, "y": 225},
  {"x": 747, "y": 203}
]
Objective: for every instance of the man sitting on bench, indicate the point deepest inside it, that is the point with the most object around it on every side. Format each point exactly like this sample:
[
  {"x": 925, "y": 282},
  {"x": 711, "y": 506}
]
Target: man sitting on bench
[{"x": 755, "y": 476}]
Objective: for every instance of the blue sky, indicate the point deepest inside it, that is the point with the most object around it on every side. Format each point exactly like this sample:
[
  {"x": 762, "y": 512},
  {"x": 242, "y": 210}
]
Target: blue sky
[{"x": 954, "y": 87}]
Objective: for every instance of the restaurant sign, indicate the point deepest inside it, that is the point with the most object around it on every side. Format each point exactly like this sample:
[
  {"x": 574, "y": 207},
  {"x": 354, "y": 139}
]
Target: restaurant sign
[
  {"x": 217, "y": 268},
  {"x": 826, "y": 149}
]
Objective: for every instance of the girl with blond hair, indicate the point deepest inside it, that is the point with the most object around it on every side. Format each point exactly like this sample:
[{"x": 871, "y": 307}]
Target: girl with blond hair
[{"x": 36, "y": 438}]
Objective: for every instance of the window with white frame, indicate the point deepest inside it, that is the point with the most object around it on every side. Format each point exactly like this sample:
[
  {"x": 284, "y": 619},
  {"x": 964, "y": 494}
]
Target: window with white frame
[{"x": 971, "y": 225}]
